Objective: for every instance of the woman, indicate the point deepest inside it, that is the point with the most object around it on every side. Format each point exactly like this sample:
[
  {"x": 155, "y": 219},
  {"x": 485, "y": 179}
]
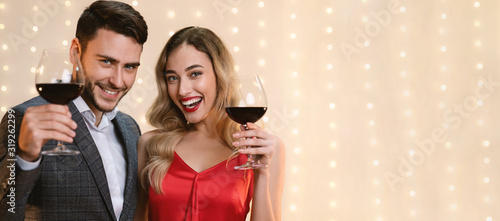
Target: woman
[{"x": 187, "y": 163}]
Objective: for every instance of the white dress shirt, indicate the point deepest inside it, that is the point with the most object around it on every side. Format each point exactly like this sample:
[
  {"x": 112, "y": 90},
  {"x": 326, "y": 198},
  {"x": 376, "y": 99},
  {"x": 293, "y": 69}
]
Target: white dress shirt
[{"x": 110, "y": 148}]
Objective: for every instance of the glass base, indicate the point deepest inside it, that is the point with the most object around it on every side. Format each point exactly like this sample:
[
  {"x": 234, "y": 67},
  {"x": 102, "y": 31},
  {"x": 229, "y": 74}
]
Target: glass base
[
  {"x": 60, "y": 150},
  {"x": 248, "y": 166}
]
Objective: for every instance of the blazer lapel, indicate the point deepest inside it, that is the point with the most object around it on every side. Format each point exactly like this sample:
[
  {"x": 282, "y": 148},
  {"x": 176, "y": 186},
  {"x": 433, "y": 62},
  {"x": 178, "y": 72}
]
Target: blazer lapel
[
  {"x": 130, "y": 192},
  {"x": 130, "y": 143},
  {"x": 88, "y": 149}
]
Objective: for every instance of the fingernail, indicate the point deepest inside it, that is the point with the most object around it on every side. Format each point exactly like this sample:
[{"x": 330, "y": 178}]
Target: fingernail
[
  {"x": 236, "y": 143},
  {"x": 236, "y": 134}
]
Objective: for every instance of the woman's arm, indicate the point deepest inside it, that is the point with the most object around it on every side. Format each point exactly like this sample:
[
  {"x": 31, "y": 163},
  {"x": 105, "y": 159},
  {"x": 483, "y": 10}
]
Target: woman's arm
[{"x": 268, "y": 181}]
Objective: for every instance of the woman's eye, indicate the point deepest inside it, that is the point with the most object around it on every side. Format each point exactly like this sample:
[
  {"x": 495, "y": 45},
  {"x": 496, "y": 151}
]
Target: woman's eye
[
  {"x": 171, "y": 78},
  {"x": 195, "y": 74}
]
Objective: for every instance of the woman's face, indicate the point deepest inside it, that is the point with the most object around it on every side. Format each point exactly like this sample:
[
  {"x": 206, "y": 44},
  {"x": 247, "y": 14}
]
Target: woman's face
[{"x": 191, "y": 82}]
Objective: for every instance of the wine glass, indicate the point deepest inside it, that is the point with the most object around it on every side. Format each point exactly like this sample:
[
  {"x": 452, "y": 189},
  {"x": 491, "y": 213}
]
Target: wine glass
[
  {"x": 251, "y": 105},
  {"x": 59, "y": 80}
]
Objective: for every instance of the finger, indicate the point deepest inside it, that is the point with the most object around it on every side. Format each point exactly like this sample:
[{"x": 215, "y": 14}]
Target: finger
[
  {"x": 57, "y": 127},
  {"x": 54, "y": 135},
  {"x": 267, "y": 152},
  {"x": 256, "y": 132},
  {"x": 252, "y": 142},
  {"x": 62, "y": 109},
  {"x": 50, "y": 116}
]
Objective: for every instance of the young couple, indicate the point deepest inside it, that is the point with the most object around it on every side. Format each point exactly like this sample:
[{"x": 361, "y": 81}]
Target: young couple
[{"x": 183, "y": 170}]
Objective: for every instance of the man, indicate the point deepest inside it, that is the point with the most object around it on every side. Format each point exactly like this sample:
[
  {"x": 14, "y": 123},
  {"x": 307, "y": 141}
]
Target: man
[{"x": 101, "y": 182}]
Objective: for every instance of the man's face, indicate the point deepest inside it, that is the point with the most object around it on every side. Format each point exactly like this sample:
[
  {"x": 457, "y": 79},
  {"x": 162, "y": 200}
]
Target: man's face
[{"x": 110, "y": 62}]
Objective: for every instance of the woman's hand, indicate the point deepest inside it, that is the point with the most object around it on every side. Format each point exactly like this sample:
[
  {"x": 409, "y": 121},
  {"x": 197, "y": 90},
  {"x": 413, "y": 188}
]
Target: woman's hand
[{"x": 261, "y": 141}]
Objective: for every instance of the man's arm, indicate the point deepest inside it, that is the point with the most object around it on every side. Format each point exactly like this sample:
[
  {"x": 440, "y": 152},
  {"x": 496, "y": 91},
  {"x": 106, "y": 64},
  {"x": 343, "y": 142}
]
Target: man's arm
[
  {"x": 23, "y": 131},
  {"x": 15, "y": 184}
]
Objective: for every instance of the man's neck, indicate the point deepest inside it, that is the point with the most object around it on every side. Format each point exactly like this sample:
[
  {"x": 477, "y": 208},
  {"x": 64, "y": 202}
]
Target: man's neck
[{"x": 98, "y": 114}]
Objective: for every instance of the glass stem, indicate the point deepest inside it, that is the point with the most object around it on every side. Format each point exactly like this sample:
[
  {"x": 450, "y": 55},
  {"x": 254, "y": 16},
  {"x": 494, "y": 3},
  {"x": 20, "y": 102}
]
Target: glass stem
[
  {"x": 60, "y": 145},
  {"x": 250, "y": 158}
]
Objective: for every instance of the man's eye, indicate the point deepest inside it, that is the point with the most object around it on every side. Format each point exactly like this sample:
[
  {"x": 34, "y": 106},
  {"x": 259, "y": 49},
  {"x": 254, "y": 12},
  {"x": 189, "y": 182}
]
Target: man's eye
[
  {"x": 130, "y": 67},
  {"x": 106, "y": 61}
]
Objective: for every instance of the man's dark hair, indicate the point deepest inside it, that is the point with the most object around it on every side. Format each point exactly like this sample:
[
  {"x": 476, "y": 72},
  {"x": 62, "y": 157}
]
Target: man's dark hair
[{"x": 115, "y": 16}]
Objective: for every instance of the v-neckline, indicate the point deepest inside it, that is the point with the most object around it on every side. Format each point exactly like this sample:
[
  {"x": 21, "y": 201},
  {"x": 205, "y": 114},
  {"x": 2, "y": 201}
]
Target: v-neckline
[{"x": 203, "y": 171}]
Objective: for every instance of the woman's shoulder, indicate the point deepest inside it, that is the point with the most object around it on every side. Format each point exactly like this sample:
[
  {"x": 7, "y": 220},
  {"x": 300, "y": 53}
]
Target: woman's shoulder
[
  {"x": 146, "y": 136},
  {"x": 151, "y": 133}
]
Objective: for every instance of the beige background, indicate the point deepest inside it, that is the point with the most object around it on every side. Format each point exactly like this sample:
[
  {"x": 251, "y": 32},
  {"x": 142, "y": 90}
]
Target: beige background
[{"x": 389, "y": 109}]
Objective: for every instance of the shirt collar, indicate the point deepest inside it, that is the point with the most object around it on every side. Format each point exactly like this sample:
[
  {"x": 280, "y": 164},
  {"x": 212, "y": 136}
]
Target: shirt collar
[{"x": 84, "y": 109}]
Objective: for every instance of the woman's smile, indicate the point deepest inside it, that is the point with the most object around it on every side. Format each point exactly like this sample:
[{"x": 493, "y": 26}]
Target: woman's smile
[{"x": 191, "y": 104}]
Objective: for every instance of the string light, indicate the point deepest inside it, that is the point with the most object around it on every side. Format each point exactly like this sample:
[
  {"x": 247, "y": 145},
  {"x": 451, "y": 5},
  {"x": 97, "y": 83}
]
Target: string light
[
  {"x": 332, "y": 106},
  {"x": 486, "y": 143},
  {"x": 171, "y": 14}
]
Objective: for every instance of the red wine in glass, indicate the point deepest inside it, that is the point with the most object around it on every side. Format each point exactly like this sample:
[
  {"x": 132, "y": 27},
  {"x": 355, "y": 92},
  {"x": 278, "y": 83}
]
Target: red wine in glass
[
  {"x": 59, "y": 93},
  {"x": 59, "y": 80},
  {"x": 243, "y": 115}
]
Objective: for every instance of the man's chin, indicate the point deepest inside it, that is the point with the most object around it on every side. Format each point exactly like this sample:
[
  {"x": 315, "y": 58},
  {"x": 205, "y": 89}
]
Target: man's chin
[
  {"x": 106, "y": 106},
  {"x": 101, "y": 103}
]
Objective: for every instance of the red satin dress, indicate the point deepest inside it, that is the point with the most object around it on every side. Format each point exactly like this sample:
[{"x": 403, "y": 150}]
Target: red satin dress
[{"x": 217, "y": 193}]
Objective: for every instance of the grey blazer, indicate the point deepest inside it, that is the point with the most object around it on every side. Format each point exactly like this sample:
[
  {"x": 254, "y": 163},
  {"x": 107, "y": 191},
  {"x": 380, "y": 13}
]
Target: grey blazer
[{"x": 66, "y": 187}]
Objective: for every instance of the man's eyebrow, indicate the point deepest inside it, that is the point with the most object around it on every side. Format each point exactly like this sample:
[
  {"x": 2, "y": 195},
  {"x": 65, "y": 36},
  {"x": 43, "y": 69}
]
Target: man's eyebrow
[
  {"x": 134, "y": 64},
  {"x": 112, "y": 60}
]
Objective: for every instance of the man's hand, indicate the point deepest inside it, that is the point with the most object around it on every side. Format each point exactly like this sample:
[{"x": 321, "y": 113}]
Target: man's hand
[{"x": 41, "y": 124}]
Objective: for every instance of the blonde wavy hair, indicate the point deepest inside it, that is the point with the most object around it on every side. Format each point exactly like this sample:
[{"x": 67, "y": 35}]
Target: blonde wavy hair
[{"x": 168, "y": 118}]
